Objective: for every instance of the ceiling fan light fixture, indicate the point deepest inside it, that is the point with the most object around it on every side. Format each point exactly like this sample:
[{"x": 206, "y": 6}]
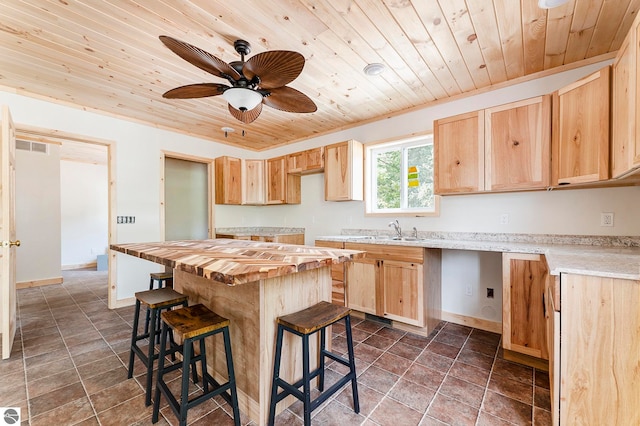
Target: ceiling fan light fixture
[
  {"x": 242, "y": 99},
  {"x": 374, "y": 69},
  {"x": 549, "y": 4}
]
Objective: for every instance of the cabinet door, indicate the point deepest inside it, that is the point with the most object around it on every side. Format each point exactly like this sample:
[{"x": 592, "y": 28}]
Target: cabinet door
[
  {"x": 518, "y": 145},
  {"x": 361, "y": 285},
  {"x": 253, "y": 186},
  {"x": 314, "y": 160},
  {"x": 343, "y": 171},
  {"x": 276, "y": 180},
  {"x": 580, "y": 138},
  {"x": 403, "y": 291},
  {"x": 623, "y": 124},
  {"x": 228, "y": 184},
  {"x": 458, "y": 145},
  {"x": 600, "y": 351},
  {"x": 523, "y": 316}
]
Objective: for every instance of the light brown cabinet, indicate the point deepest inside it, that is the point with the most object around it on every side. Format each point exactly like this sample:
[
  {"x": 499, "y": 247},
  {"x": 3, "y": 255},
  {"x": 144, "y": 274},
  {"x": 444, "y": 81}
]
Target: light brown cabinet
[
  {"x": 625, "y": 134},
  {"x": 459, "y": 153},
  {"x": 337, "y": 274},
  {"x": 595, "y": 374},
  {"x": 228, "y": 184},
  {"x": 253, "y": 182},
  {"x": 282, "y": 187},
  {"x": 504, "y": 148},
  {"x": 580, "y": 137},
  {"x": 343, "y": 171},
  {"x": 524, "y": 278},
  {"x": 274, "y": 238},
  {"x": 518, "y": 145},
  {"x": 306, "y": 162},
  {"x": 396, "y": 282}
]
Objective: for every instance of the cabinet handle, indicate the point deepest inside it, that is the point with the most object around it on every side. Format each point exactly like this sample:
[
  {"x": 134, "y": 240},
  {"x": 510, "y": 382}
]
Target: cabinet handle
[{"x": 544, "y": 307}]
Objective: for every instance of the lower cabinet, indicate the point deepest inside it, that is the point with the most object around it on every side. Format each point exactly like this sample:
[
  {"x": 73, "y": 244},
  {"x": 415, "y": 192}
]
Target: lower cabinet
[
  {"x": 595, "y": 351},
  {"x": 396, "y": 282},
  {"x": 276, "y": 238},
  {"x": 523, "y": 311},
  {"x": 337, "y": 274}
]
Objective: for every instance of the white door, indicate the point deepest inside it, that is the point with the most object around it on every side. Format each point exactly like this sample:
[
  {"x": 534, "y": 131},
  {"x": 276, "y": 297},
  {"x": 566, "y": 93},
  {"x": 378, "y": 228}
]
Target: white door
[{"x": 7, "y": 232}]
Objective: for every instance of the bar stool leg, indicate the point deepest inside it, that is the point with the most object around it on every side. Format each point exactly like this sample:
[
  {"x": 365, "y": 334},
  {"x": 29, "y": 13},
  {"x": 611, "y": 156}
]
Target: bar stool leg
[
  {"x": 134, "y": 334},
  {"x": 203, "y": 365},
  {"x": 232, "y": 377},
  {"x": 276, "y": 376},
  {"x": 152, "y": 334},
  {"x": 186, "y": 364},
  {"x": 160, "y": 378},
  {"x": 306, "y": 386},
  {"x": 322, "y": 360},
  {"x": 352, "y": 365}
]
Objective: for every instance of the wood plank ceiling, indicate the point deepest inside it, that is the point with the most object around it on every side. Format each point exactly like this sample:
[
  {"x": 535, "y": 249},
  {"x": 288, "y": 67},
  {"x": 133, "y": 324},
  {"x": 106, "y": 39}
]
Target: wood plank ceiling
[{"x": 105, "y": 55}]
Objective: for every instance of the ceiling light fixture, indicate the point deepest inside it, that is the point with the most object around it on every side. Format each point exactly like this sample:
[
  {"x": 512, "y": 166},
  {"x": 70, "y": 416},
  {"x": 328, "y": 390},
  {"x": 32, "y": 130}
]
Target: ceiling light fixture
[
  {"x": 228, "y": 130},
  {"x": 374, "y": 69},
  {"x": 242, "y": 99},
  {"x": 548, "y": 4}
]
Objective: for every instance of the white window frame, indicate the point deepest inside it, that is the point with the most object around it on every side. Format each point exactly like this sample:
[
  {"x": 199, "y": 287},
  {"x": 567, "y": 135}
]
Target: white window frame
[{"x": 370, "y": 179}]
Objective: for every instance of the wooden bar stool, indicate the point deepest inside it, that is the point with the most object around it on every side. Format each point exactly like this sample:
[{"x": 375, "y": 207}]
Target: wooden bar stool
[
  {"x": 194, "y": 324},
  {"x": 305, "y": 323},
  {"x": 162, "y": 279},
  {"x": 156, "y": 301}
]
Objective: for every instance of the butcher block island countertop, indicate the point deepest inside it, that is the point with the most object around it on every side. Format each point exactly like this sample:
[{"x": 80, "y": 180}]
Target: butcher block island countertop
[
  {"x": 236, "y": 262},
  {"x": 252, "y": 284}
]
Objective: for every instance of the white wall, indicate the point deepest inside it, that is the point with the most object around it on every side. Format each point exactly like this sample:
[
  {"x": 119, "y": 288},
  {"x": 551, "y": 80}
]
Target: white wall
[
  {"x": 137, "y": 174},
  {"x": 137, "y": 181},
  {"x": 84, "y": 204},
  {"x": 38, "y": 215}
]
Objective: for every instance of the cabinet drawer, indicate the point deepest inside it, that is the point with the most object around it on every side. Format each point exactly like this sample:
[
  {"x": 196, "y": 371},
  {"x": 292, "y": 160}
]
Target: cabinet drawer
[{"x": 389, "y": 252}]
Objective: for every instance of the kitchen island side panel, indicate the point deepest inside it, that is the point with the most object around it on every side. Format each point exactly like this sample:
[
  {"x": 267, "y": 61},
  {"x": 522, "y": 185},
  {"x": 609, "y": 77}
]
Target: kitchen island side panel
[{"x": 252, "y": 309}]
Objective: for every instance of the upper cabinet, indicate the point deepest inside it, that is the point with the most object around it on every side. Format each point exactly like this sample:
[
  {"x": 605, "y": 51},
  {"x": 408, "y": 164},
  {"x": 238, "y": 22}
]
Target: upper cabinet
[
  {"x": 282, "y": 187},
  {"x": 580, "y": 138},
  {"x": 504, "y": 148},
  {"x": 253, "y": 182},
  {"x": 518, "y": 145},
  {"x": 343, "y": 171},
  {"x": 625, "y": 143},
  {"x": 228, "y": 185},
  {"x": 306, "y": 162},
  {"x": 459, "y": 153}
]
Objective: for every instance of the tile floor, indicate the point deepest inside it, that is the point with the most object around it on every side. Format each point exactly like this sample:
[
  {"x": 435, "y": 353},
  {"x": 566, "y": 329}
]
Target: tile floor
[{"x": 69, "y": 362}]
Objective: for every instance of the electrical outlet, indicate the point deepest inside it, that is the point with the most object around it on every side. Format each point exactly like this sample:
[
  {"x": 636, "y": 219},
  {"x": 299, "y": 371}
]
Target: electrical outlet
[
  {"x": 468, "y": 290},
  {"x": 504, "y": 219},
  {"x": 606, "y": 219},
  {"x": 489, "y": 293}
]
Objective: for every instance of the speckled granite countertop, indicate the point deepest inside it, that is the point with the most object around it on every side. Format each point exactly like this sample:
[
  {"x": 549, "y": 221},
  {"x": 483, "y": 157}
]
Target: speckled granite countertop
[
  {"x": 611, "y": 257},
  {"x": 261, "y": 231}
]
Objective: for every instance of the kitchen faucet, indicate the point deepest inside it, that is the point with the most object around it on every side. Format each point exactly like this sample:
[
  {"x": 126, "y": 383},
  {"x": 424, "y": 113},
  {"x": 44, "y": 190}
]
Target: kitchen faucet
[{"x": 396, "y": 226}]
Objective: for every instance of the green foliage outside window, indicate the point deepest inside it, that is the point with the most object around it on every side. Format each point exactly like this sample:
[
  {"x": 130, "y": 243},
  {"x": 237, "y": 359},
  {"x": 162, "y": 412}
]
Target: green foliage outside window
[{"x": 391, "y": 180}]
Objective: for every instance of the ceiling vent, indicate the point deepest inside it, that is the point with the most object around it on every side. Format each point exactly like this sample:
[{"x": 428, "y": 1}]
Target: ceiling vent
[{"x": 32, "y": 146}]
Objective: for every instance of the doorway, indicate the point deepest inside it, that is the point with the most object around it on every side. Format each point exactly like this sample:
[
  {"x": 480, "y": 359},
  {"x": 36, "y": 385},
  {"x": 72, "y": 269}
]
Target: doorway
[{"x": 186, "y": 197}]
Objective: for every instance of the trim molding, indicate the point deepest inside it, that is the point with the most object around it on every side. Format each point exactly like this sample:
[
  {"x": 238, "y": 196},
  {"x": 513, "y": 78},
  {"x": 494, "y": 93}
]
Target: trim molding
[
  {"x": 38, "y": 283},
  {"x": 482, "y": 324},
  {"x": 79, "y": 266},
  {"x": 123, "y": 303}
]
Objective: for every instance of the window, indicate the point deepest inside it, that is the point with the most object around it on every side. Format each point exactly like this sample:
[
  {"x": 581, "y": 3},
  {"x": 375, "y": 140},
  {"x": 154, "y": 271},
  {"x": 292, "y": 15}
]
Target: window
[{"x": 400, "y": 177}]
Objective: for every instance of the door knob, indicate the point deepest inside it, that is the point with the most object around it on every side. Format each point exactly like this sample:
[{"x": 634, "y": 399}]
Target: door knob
[{"x": 11, "y": 243}]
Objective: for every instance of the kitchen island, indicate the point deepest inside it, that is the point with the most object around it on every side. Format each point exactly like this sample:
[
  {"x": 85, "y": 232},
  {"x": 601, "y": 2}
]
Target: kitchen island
[{"x": 251, "y": 283}]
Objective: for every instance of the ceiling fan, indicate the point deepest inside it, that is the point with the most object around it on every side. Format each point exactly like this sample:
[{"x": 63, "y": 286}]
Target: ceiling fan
[{"x": 260, "y": 80}]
